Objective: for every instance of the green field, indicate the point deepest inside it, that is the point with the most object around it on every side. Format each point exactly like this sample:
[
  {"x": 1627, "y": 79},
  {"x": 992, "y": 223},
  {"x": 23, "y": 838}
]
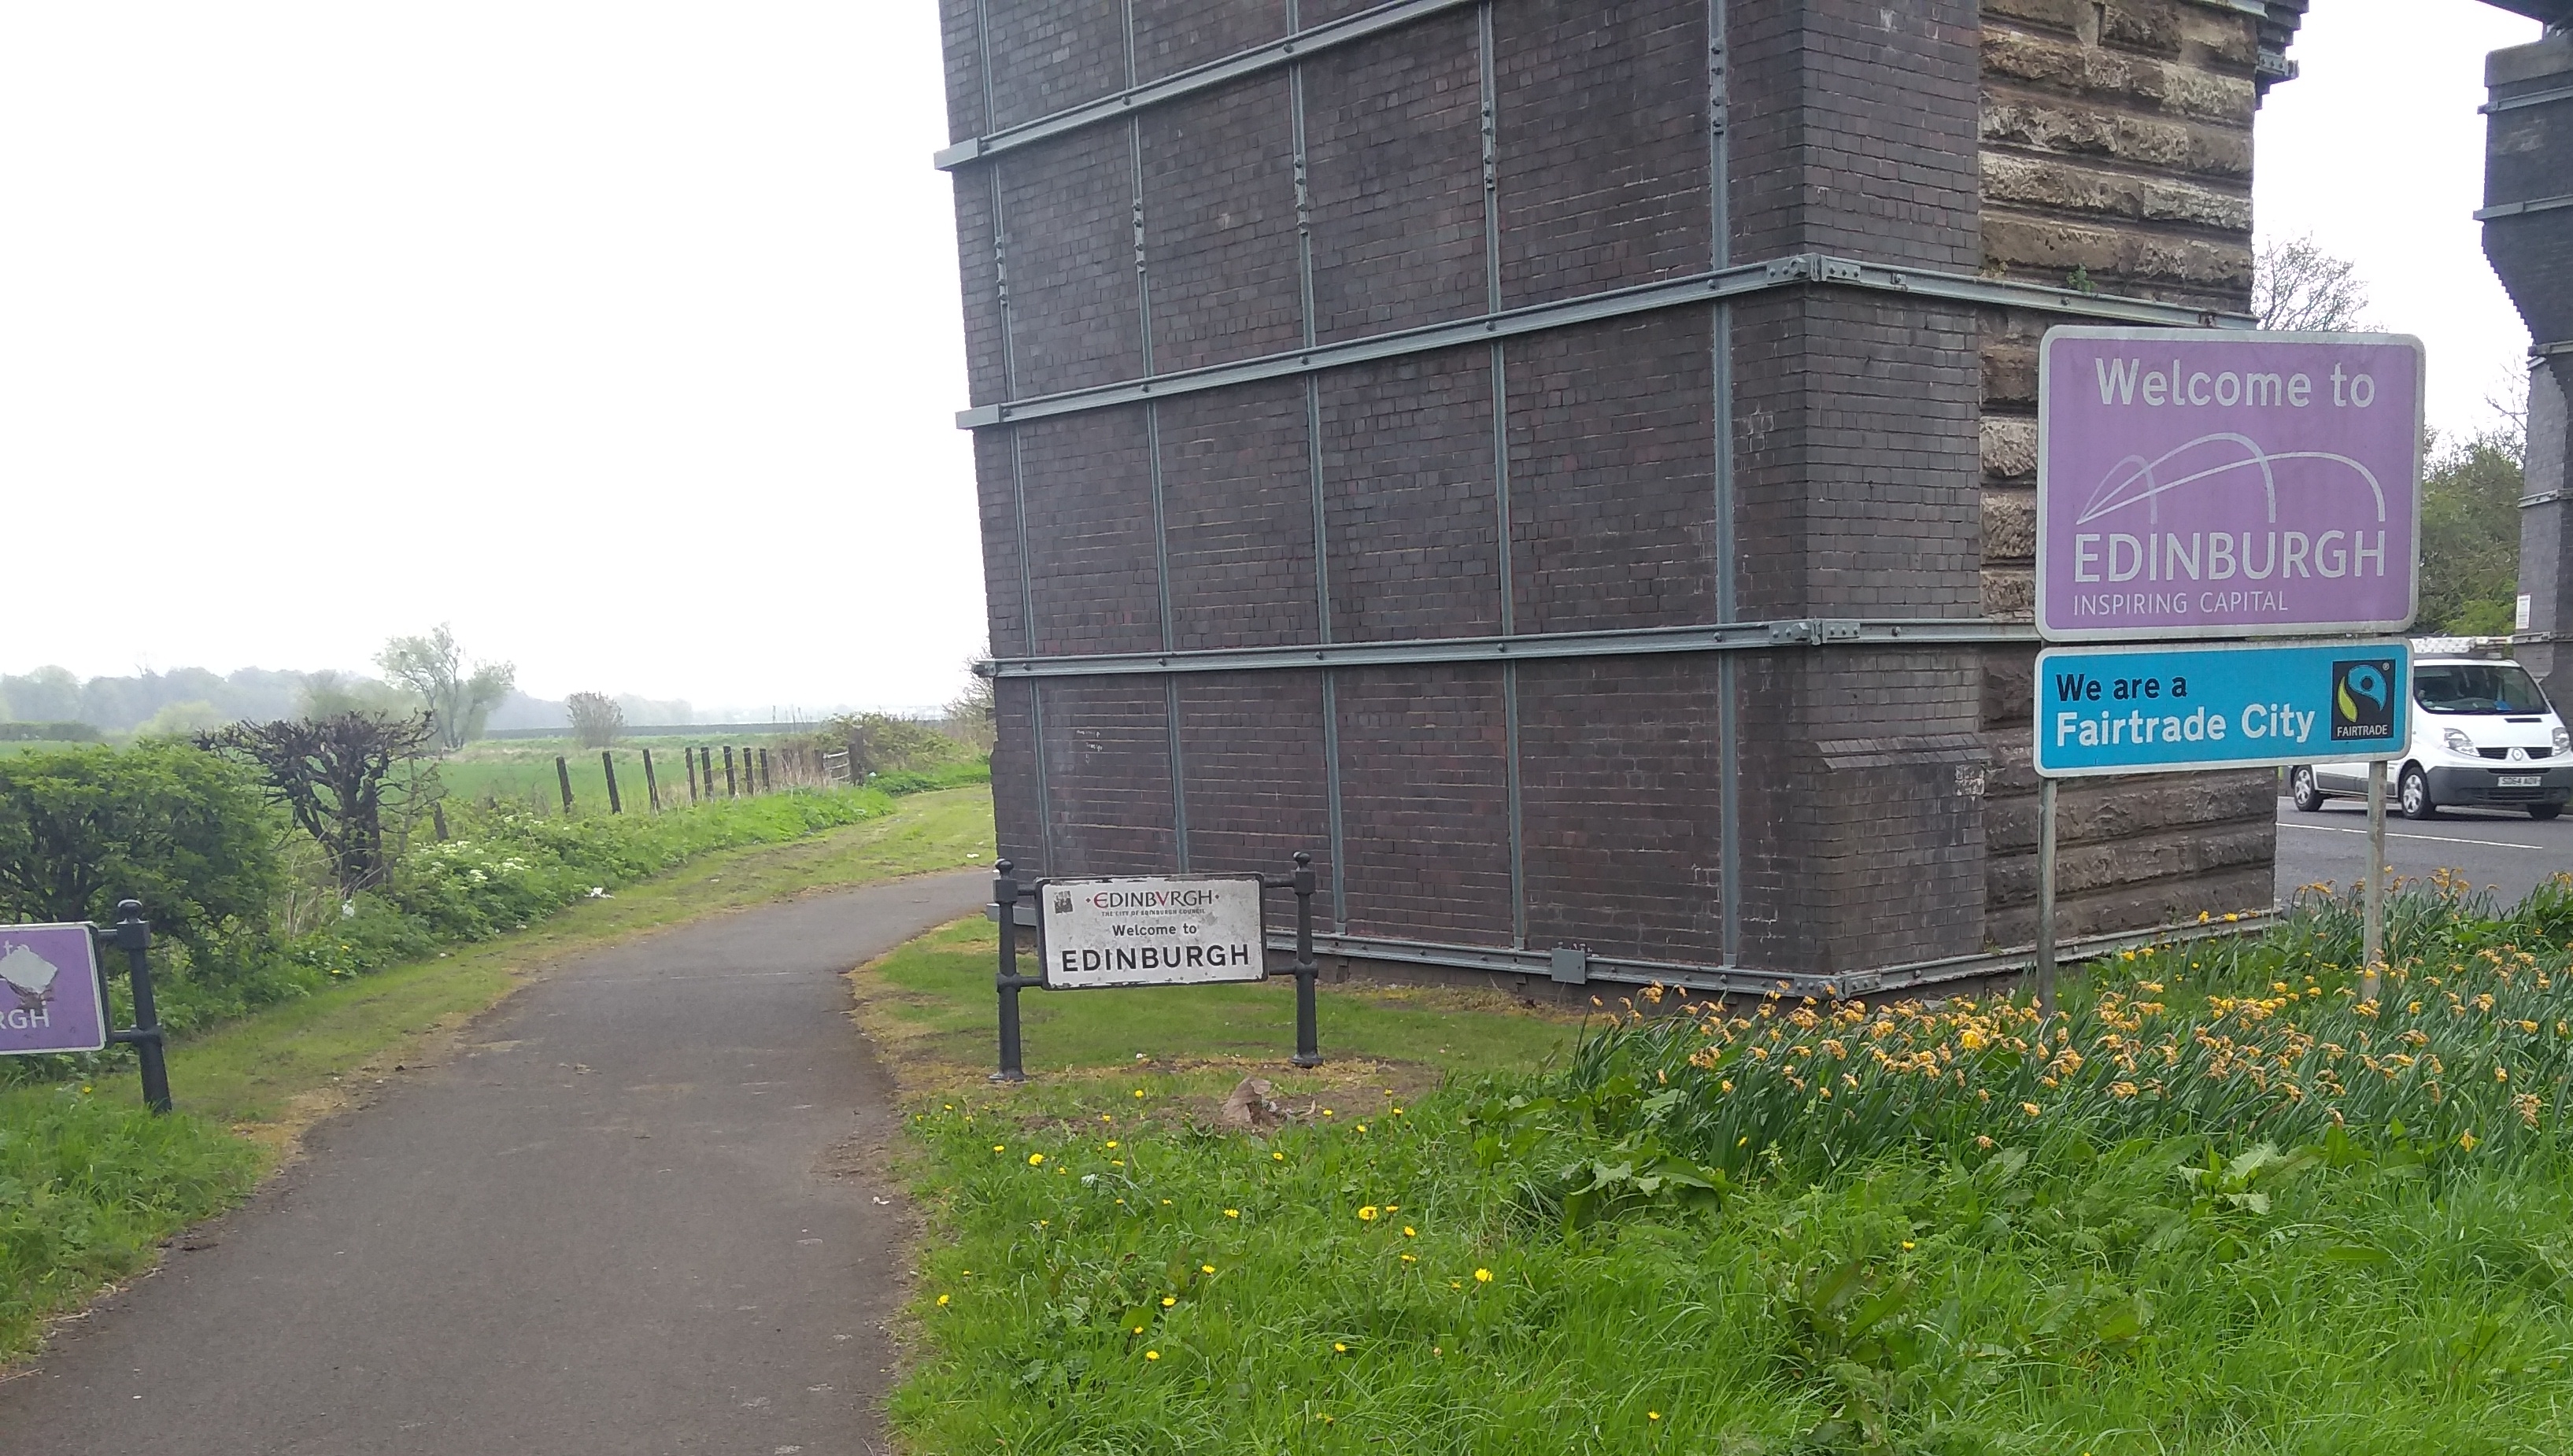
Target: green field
[
  {"x": 523, "y": 769},
  {"x": 9, "y": 747}
]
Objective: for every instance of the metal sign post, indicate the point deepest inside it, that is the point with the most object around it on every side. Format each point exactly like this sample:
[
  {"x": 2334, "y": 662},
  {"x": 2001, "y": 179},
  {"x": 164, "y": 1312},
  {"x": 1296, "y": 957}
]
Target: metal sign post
[
  {"x": 133, "y": 935},
  {"x": 2373, "y": 907},
  {"x": 2045, "y": 897},
  {"x": 1148, "y": 930}
]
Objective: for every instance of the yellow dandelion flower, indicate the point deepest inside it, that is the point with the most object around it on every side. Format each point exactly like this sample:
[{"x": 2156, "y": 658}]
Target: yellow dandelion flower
[
  {"x": 942, "y": 1298},
  {"x": 1907, "y": 1244},
  {"x": 1328, "y": 1112},
  {"x": 999, "y": 1148},
  {"x": 1152, "y": 1354},
  {"x": 1408, "y": 1259},
  {"x": 2467, "y": 1140},
  {"x": 1169, "y": 1299},
  {"x": 1339, "y": 1348},
  {"x": 1112, "y": 1142},
  {"x": 1367, "y": 1215},
  {"x": 1139, "y": 1094},
  {"x": 1277, "y": 1158},
  {"x": 1206, "y": 1268},
  {"x": 1410, "y": 1232},
  {"x": 1483, "y": 1276},
  {"x": 1652, "y": 1415},
  {"x": 1139, "y": 1329},
  {"x": 1231, "y": 1213}
]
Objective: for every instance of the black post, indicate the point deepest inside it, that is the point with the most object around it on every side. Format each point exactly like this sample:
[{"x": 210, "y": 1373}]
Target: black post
[
  {"x": 766, "y": 785},
  {"x": 608, "y": 761},
  {"x": 732, "y": 790},
  {"x": 134, "y": 937},
  {"x": 1308, "y": 1049},
  {"x": 690, "y": 755},
  {"x": 437, "y": 816},
  {"x": 651, "y": 785},
  {"x": 1005, "y": 900},
  {"x": 563, "y": 771}
]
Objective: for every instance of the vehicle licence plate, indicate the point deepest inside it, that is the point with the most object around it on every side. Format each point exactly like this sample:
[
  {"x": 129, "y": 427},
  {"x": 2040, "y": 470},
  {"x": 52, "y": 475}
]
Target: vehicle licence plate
[{"x": 2521, "y": 780}]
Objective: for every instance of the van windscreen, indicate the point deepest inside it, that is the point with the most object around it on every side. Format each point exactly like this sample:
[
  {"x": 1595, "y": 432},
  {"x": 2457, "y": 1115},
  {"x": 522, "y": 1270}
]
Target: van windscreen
[{"x": 2476, "y": 687}]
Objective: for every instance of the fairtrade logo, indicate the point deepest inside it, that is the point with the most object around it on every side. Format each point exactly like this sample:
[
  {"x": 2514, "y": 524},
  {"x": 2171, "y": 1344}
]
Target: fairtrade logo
[
  {"x": 1062, "y": 902},
  {"x": 2363, "y": 699}
]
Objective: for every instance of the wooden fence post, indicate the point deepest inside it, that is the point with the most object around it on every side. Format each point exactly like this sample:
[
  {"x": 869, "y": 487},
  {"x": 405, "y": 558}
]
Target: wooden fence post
[
  {"x": 690, "y": 754},
  {"x": 607, "y": 762},
  {"x": 732, "y": 787},
  {"x": 562, "y": 772},
  {"x": 651, "y": 785},
  {"x": 766, "y": 785}
]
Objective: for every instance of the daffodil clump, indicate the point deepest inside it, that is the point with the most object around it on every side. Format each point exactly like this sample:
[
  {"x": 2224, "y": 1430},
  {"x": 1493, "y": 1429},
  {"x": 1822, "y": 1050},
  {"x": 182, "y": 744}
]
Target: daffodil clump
[{"x": 2462, "y": 1050}]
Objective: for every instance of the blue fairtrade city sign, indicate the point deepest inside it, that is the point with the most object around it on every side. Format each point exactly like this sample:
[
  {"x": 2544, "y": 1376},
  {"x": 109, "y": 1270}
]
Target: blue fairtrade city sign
[{"x": 2160, "y": 709}]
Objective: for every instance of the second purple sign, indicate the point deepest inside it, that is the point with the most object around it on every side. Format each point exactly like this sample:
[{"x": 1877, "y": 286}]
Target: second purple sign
[{"x": 2197, "y": 483}]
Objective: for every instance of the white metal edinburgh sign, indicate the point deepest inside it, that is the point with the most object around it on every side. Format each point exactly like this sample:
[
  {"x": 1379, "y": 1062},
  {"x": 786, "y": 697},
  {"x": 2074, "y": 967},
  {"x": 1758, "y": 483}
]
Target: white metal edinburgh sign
[{"x": 1165, "y": 930}]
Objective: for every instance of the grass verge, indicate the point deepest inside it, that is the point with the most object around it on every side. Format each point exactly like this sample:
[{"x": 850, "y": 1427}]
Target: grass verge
[
  {"x": 90, "y": 1186},
  {"x": 2142, "y": 1229}
]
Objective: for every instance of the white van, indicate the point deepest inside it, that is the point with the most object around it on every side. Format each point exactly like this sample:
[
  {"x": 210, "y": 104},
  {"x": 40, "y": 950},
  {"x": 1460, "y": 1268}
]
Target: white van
[{"x": 2483, "y": 736}]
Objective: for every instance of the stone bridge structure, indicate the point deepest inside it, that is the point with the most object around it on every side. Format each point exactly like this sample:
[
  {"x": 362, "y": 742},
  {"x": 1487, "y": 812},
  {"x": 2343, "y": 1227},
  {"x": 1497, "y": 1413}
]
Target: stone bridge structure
[{"x": 1569, "y": 464}]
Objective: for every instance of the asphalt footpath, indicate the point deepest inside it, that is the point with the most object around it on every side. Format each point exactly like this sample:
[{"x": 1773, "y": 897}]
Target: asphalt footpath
[{"x": 643, "y": 1209}]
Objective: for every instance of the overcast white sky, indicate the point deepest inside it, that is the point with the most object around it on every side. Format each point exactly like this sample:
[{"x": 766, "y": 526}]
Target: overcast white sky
[{"x": 624, "y": 336}]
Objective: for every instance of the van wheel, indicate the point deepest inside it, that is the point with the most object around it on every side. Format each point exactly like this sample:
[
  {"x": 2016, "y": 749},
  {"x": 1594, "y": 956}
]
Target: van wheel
[
  {"x": 2544, "y": 811},
  {"x": 2416, "y": 794},
  {"x": 2300, "y": 786}
]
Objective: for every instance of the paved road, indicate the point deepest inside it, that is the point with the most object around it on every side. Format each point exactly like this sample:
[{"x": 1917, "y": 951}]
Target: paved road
[
  {"x": 2508, "y": 851},
  {"x": 641, "y": 1213}
]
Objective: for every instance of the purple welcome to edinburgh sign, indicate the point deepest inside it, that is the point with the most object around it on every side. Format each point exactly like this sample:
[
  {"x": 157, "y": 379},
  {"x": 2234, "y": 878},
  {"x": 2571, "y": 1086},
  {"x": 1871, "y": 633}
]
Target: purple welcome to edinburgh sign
[
  {"x": 2197, "y": 483},
  {"x": 49, "y": 992}
]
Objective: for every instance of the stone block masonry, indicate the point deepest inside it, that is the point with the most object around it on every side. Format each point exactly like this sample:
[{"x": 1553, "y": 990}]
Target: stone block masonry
[{"x": 1809, "y": 452}]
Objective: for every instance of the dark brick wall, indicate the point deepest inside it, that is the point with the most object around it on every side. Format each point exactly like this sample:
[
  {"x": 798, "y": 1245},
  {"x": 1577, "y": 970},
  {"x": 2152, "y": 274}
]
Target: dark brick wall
[
  {"x": 997, "y": 504},
  {"x": 1108, "y": 764},
  {"x": 1220, "y": 226},
  {"x": 1603, "y": 152},
  {"x": 1018, "y": 819},
  {"x": 1412, "y": 512},
  {"x": 1856, "y": 129},
  {"x": 1096, "y": 581},
  {"x": 1047, "y": 55},
  {"x": 1067, "y": 221},
  {"x": 1394, "y": 160},
  {"x": 1424, "y": 803},
  {"x": 1171, "y": 36},
  {"x": 1621, "y": 808},
  {"x": 1612, "y": 475},
  {"x": 1880, "y": 811},
  {"x": 1237, "y": 492},
  {"x": 1257, "y": 789}
]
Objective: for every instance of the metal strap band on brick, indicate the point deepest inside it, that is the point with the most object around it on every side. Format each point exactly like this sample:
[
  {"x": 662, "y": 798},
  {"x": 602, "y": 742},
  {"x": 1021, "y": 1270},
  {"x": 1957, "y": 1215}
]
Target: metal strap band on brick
[
  {"x": 1731, "y": 637},
  {"x": 1197, "y": 79},
  {"x": 1751, "y": 981},
  {"x": 2513, "y": 210},
  {"x": 2542, "y": 497},
  {"x": 2548, "y": 97},
  {"x": 1794, "y": 271}
]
